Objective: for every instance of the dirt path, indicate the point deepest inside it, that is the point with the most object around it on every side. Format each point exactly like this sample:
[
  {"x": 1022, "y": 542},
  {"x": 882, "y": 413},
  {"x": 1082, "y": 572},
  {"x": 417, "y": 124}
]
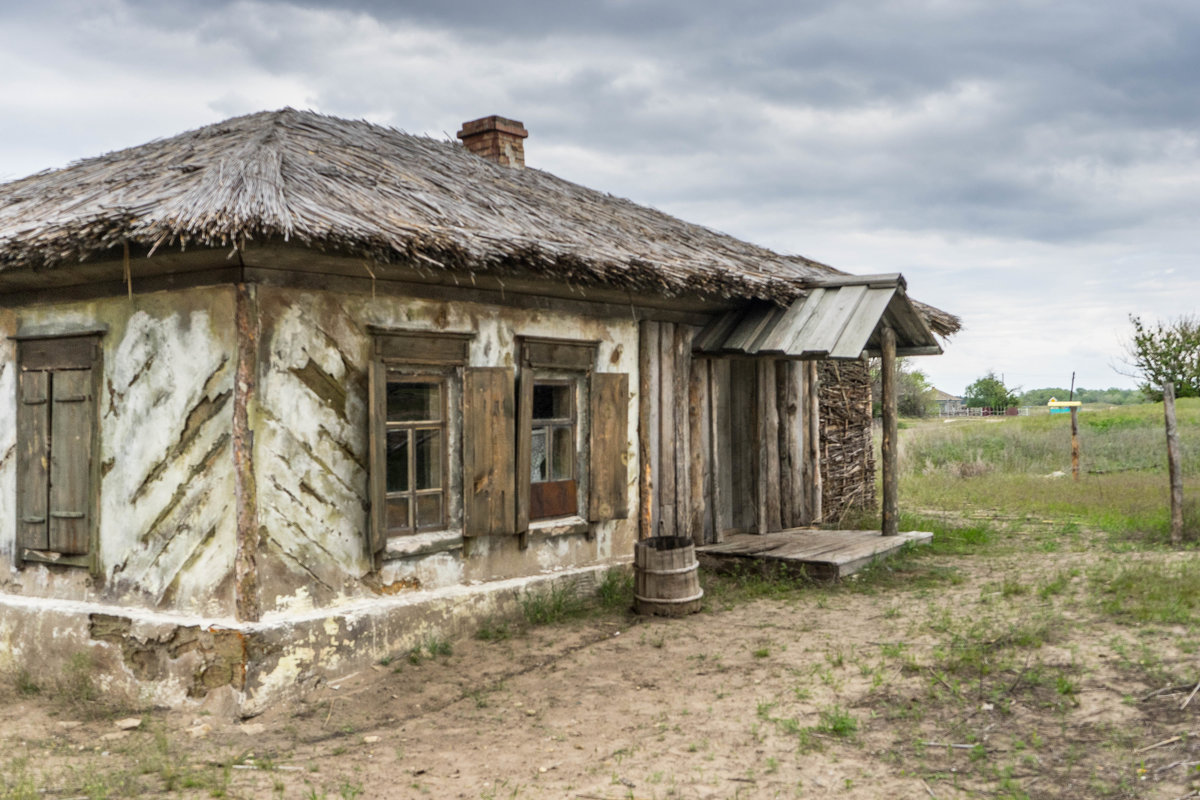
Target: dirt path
[{"x": 959, "y": 677}]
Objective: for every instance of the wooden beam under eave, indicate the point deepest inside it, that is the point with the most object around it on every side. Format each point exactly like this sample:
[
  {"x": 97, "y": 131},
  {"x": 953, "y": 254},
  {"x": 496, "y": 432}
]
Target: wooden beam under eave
[{"x": 890, "y": 431}]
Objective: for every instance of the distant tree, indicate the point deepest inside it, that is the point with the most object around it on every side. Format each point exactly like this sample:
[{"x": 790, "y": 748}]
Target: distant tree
[
  {"x": 1111, "y": 396},
  {"x": 1039, "y": 397},
  {"x": 1165, "y": 351},
  {"x": 989, "y": 392},
  {"x": 914, "y": 394}
]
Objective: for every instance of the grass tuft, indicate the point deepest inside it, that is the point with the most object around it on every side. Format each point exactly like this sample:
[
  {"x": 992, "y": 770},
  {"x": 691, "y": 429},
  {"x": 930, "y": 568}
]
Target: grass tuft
[
  {"x": 838, "y": 722},
  {"x": 556, "y": 604},
  {"x": 1148, "y": 591}
]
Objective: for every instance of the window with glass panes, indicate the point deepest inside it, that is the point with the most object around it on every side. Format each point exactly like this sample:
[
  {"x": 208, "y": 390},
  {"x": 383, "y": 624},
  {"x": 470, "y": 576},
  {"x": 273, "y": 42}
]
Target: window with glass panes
[
  {"x": 553, "y": 485},
  {"x": 416, "y": 453}
]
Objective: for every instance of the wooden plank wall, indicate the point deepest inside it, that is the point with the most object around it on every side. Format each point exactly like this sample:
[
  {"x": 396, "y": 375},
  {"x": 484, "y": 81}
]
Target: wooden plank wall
[
  {"x": 725, "y": 442},
  {"x": 666, "y": 427}
]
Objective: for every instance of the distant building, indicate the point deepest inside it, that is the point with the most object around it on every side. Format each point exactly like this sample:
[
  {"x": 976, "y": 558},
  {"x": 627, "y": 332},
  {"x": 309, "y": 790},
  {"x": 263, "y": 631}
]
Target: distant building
[{"x": 948, "y": 405}]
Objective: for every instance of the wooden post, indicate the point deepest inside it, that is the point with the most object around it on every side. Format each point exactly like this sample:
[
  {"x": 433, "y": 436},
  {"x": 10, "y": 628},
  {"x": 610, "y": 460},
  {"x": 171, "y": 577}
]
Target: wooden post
[
  {"x": 245, "y": 586},
  {"x": 664, "y": 475},
  {"x": 890, "y": 461},
  {"x": 698, "y": 373},
  {"x": 647, "y": 426},
  {"x": 1174, "y": 467},
  {"x": 1075, "y": 443},
  {"x": 722, "y": 460},
  {"x": 768, "y": 447},
  {"x": 816, "y": 511}
]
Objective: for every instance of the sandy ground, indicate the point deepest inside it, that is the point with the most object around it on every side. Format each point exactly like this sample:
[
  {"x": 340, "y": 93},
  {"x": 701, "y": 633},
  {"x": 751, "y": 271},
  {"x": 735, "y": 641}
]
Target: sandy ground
[{"x": 849, "y": 693}]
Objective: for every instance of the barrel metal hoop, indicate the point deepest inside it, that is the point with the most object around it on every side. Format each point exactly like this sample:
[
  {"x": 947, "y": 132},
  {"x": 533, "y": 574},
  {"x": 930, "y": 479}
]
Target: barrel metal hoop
[
  {"x": 678, "y": 571},
  {"x": 672, "y": 600}
]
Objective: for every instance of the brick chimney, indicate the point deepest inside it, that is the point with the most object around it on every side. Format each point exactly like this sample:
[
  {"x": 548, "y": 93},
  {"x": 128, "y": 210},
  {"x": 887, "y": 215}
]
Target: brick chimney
[{"x": 496, "y": 139}]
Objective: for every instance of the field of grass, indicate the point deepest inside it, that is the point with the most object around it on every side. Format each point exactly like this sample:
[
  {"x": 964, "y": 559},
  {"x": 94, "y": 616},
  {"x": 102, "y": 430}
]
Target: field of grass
[{"x": 1021, "y": 466}]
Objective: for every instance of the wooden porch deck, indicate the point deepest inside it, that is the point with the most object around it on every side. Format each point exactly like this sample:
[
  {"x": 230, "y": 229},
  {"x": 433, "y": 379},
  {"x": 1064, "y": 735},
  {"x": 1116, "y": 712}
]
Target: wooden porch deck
[{"x": 824, "y": 555}]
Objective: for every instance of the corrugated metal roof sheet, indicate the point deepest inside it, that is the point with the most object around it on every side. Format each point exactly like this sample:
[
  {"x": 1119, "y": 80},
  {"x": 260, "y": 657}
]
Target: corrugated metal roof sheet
[{"x": 840, "y": 319}]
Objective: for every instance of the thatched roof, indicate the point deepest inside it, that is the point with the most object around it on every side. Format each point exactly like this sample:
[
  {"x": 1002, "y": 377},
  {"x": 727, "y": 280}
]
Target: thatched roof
[{"x": 371, "y": 191}]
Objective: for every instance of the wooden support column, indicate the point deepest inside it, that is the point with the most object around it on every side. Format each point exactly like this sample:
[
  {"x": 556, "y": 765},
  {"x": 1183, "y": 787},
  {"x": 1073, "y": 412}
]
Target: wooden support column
[
  {"x": 664, "y": 396},
  {"x": 769, "y": 447},
  {"x": 1174, "y": 464},
  {"x": 785, "y": 409},
  {"x": 680, "y": 394},
  {"x": 721, "y": 458},
  {"x": 889, "y": 448},
  {"x": 797, "y": 439},
  {"x": 697, "y": 446},
  {"x": 813, "y": 459},
  {"x": 245, "y": 492},
  {"x": 647, "y": 427}
]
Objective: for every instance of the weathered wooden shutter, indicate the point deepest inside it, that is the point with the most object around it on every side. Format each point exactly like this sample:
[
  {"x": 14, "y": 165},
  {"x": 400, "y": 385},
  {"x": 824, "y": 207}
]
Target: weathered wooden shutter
[
  {"x": 608, "y": 455},
  {"x": 71, "y": 418},
  {"x": 377, "y": 458},
  {"x": 524, "y": 447},
  {"x": 489, "y": 485},
  {"x": 33, "y": 460}
]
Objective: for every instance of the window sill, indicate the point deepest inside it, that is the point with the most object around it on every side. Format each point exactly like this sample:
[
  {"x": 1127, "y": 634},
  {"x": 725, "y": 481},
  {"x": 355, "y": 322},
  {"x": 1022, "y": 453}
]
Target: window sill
[
  {"x": 423, "y": 544},
  {"x": 50, "y": 557},
  {"x": 560, "y": 526}
]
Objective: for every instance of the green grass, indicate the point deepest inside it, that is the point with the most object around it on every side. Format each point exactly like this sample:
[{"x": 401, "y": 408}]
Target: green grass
[
  {"x": 837, "y": 722},
  {"x": 1129, "y": 438},
  {"x": 558, "y": 603},
  {"x": 1149, "y": 591},
  {"x": 1132, "y": 505},
  {"x": 614, "y": 592},
  {"x": 1005, "y": 464}
]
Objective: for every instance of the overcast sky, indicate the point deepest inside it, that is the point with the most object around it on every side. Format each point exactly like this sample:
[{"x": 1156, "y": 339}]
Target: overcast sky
[{"x": 1030, "y": 165}]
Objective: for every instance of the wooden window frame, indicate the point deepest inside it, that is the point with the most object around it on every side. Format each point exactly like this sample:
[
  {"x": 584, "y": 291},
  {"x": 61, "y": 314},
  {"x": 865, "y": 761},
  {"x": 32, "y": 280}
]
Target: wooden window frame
[
  {"x": 556, "y": 498},
  {"x": 395, "y": 374},
  {"x": 551, "y": 361},
  {"x": 54, "y": 356},
  {"x": 415, "y": 356}
]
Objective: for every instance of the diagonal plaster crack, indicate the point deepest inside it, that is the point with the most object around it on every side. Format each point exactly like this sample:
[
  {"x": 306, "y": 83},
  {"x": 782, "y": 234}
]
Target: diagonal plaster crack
[{"x": 298, "y": 563}]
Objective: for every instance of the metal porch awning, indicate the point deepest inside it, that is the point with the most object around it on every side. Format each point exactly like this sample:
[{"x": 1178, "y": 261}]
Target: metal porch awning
[{"x": 840, "y": 318}]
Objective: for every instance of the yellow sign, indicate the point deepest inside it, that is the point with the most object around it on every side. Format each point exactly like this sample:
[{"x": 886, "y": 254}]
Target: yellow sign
[{"x": 1062, "y": 406}]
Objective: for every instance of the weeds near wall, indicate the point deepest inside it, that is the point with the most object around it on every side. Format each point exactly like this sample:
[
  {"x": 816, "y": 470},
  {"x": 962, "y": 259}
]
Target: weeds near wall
[{"x": 558, "y": 603}]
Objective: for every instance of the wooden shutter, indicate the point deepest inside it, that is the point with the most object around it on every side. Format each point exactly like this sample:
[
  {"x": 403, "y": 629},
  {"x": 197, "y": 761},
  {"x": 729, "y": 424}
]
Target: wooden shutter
[
  {"x": 489, "y": 485},
  {"x": 70, "y": 461},
  {"x": 33, "y": 460},
  {"x": 608, "y": 456},
  {"x": 377, "y": 459},
  {"x": 524, "y": 446}
]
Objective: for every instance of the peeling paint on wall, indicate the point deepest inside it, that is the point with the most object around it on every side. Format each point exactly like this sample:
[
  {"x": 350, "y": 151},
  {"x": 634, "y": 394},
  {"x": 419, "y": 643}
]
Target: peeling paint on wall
[
  {"x": 163, "y": 477},
  {"x": 310, "y": 450},
  {"x": 216, "y": 656},
  {"x": 166, "y": 516}
]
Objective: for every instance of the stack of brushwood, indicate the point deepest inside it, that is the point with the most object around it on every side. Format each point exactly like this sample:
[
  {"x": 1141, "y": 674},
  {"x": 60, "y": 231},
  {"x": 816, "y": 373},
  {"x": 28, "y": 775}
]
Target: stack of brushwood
[{"x": 847, "y": 459}]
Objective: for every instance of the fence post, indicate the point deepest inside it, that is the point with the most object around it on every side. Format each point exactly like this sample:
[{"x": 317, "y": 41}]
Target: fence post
[
  {"x": 889, "y": 448},
  {"x": 1174, "y": 467},
  {"x": 1074, "y": 443}
]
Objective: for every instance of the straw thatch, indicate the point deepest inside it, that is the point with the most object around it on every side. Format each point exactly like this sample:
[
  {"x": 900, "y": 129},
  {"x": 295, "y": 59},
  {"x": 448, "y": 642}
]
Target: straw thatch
[{"x": 374, "y": 192}]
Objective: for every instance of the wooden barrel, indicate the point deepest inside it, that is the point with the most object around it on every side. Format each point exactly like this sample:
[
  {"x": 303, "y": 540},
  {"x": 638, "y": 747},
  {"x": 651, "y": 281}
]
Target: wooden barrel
[{"x": 666, "y": 576}]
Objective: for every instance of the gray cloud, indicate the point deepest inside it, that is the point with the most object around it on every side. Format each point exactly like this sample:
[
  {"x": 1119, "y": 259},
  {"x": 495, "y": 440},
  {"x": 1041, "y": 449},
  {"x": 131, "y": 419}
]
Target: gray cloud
[{"x": 958, "y": 140}]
